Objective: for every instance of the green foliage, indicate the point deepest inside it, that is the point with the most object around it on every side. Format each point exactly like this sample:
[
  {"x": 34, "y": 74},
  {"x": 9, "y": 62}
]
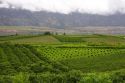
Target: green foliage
[
  {"x": 68, "y": 62},
  {"x": 29, "y": 39},
  {"x": 72, "y": 76},
  {"x": 70, "y": 52},
  {"x": 118, "y": 77},
  {"x": 24, "y": 58},
  {"x": 92, "y": 40},
  {"x": 47, "y": 33},
  {"x": 92, "y": 58},
  {"x": 71, "y": 39}
]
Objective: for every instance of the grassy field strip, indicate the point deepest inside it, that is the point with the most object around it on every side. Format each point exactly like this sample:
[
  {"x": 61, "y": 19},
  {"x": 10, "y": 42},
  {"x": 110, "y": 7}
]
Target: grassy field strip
[
  {"x": 97, "y": 64},
  {"x": 92, "y": 40},
  {"x": 37, "y": 40}
]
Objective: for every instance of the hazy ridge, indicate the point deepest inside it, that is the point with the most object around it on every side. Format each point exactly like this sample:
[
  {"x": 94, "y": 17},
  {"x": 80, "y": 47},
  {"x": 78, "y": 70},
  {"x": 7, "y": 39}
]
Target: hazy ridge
[{"x": 19, "y": 17}]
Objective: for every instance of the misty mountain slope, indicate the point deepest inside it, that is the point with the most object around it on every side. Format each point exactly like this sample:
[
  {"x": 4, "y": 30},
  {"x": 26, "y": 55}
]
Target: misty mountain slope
[{"x": 19, "y": 17}]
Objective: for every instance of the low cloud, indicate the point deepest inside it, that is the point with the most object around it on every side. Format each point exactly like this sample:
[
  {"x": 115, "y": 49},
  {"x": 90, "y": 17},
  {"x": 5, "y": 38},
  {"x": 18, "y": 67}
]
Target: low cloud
[{"x": 67, "y": 6}]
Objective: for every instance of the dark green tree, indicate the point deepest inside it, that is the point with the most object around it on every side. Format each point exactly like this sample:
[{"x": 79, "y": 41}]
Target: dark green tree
[{"x": 47, "y": 33}]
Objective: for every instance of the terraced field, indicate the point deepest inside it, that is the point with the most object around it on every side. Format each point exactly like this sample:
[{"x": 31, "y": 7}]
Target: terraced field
[
  {"x": 87, "y": 59},
  {"x": 29, "y": 39},
  {"x": 23, "y": 58},
  {"x": 62, "y": 59},
  {"x": 37, "y": 40},
  {"x": 64, "y": 53},
  {"x": 93, "y": 40}
]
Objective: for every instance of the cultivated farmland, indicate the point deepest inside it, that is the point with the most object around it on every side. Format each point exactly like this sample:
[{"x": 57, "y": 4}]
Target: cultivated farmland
[{"x": 62, "y": 59}]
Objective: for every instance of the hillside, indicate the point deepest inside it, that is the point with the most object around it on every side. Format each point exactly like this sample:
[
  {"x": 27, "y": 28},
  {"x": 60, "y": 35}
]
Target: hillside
[
  {"x": 62, "y": 59},
  {"x": 19, "y": 17}
]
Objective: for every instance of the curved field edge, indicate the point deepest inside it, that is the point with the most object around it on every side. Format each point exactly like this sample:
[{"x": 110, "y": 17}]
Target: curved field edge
[
  {"x": 24, "y": 58},
  {"x": 36, "y": 68},
  {"x": 22, "y": 64},
  {"x": 92, "y": 40},
  {"x": 86, "y": 59}
]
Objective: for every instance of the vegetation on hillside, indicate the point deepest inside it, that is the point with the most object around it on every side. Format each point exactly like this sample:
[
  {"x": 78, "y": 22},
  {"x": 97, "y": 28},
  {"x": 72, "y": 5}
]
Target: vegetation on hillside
[{"x": 62, "y": 59}]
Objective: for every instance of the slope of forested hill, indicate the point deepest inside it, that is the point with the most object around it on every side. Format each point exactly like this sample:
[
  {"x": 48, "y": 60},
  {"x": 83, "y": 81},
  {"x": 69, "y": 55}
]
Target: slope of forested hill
[{"x": 21, "y": 17}]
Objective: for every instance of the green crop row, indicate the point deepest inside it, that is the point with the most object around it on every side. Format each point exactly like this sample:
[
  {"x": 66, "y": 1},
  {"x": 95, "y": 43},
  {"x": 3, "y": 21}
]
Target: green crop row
[
  {"x": 86, "y": 59},
  {"x": 63, "y": 53},
  {"x": 24, "y": 58}
]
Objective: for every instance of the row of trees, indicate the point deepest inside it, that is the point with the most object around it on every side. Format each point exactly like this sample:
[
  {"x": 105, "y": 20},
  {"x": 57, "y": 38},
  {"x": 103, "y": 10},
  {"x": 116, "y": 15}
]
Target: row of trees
[{"x": 51, "y": 33}]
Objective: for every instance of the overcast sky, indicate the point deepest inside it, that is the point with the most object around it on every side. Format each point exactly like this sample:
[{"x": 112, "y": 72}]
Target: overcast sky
[{"x": 67, "y": 6}]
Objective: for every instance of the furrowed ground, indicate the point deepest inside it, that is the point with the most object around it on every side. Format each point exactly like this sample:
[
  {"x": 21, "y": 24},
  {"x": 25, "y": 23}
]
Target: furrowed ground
[{"x": 62, "y": 59}]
